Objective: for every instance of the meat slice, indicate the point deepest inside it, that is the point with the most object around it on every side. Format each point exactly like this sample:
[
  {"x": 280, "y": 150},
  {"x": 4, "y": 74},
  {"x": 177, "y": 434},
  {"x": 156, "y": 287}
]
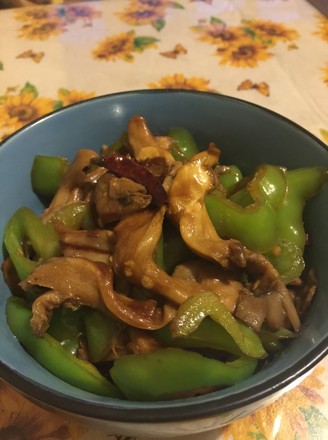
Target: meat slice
[{"x": 116, "y": 197}]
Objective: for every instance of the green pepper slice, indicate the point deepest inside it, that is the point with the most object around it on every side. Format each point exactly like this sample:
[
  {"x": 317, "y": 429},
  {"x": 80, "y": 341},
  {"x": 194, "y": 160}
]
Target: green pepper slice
[
  {"x": 208, "y": 334},
  {"x": 100, "y": 332},
  {"x": 191, "y": 313},
  {"x": 254, "y": 225},
  {"x": 26, "y": 227},
  {"x": 52, "y": 356},
  {"x": 184, "y": 141},
  {"x": 47, "y": 173},
  {"x": 302, "y": 184},
  {"x": 170, "y": 372},
  {"x": 230, "y": 177}
]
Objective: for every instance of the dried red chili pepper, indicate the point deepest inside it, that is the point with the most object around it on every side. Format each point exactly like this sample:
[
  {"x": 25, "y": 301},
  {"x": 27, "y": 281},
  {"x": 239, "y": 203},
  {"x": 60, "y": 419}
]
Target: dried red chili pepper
[{"x": 122, "y": 166}]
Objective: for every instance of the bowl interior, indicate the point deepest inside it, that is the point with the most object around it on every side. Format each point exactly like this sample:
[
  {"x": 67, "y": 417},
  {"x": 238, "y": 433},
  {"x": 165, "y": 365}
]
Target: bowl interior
[{"x": 247, "y": 136}]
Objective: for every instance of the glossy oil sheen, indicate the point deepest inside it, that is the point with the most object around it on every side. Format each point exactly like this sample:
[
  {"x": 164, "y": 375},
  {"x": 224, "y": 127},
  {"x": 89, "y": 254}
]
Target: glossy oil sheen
[{"x": 248, "y": 136}]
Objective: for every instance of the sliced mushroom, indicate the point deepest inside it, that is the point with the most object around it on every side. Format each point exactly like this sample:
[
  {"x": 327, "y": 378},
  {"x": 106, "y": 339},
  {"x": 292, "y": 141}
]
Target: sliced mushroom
[
  {"x": 143, "y": 144},
  {"x": 95, "y": 244},
  {"x": 78, "y": 281},
  {"x": 187, "y": 208},
  {"x": 137, "y": 237}
]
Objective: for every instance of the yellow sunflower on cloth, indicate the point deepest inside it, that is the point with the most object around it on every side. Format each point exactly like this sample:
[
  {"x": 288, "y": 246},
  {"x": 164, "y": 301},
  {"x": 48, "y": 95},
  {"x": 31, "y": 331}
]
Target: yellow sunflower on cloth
[
  {"x": 270, "y": 32},
  {"x": 20, "y": 107},
  {"x": 244, "y": 45},
  {"x": 122, "y": 46},
  {"x": 244, "y": 53},
  {"x": 142, "y": 12},
  {"x": 179, "y": 81},
  {"x": 322, "y": 29},
  {"x": 23, "y": 108},
  {"x": 68, "y": 97}
]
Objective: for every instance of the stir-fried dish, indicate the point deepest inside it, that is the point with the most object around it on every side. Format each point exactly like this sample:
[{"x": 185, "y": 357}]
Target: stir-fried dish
[{"x": 156, "y": 272}]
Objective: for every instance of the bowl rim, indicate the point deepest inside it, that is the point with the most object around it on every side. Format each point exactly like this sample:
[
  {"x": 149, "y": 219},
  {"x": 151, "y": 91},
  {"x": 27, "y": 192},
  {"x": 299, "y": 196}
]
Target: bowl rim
[{"x": 190, "y": 408}]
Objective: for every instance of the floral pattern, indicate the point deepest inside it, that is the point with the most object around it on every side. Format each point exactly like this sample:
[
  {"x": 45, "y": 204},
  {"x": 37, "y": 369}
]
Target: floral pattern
[
  {"x": 179, "y": 81},
  {"x": 40, "y": 23},
  {"x": 20, "y": 107},
  {"x": 122, "y": 46},
  {"x": 245, "y": 45},
  {"x": 257, "y": 53},
  {"x": 141, "y": 12}
]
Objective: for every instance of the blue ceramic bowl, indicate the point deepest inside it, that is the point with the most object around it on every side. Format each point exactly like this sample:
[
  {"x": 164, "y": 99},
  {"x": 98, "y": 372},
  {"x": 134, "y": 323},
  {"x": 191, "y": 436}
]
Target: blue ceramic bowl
[{"x": 248, "y": 135}]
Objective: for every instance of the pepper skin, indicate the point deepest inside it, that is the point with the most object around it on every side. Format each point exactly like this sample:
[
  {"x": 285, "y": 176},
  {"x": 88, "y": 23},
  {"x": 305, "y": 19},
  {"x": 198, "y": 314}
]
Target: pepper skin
[
  {"x": 101, "y": 332},
  {"x": 184, "y": 141},
  {"x": 303, "y": 184},
  {"x": 47, "y": 173},
  {"x": 171, "y": 372},
  {"x": 52, "y": 356},
  {"x": 208, "y": 334},
  {"x": 66, "y": 327},
  {"x": 191, "y": 313},
  {"x": 254, "y": 225},
  {"x": 74, "y": 215},
  {"x": 25, "y": 226},
  {"x": 230, "y": 177}
]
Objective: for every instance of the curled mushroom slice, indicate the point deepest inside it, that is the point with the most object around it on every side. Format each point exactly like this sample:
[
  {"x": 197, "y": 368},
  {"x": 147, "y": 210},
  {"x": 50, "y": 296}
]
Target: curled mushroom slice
[
  {"x": 78, "y": 281},
  {"x": 136, "y": 240},
  {"x": 144, "y": 144},
  {"x": 187, "y": 209},
  {"x": 268, "y": 281}
]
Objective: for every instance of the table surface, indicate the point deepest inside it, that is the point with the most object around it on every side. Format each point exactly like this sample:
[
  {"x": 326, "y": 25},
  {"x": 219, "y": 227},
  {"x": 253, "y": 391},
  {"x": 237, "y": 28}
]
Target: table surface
[{"x": 270, "y": 52}]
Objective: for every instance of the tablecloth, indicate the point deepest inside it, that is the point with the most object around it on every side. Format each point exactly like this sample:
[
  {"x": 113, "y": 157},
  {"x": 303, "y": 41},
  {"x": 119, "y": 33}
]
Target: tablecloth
[{"x": 270, "y": 52}]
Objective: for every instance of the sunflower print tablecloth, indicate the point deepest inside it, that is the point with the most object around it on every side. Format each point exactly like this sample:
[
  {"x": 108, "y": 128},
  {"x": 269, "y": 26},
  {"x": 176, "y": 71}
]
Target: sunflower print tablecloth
[{"x": 270, "y": 52}]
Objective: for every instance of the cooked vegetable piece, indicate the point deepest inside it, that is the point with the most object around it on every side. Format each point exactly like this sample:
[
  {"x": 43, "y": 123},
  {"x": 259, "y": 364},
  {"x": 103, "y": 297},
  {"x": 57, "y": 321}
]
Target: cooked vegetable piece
[
  {"x": 256, "y": 224},
  {"x": 25, "y": 228},
  {"x": 101, "y": 332},
  {"x": 47, "y": 173},
  {"x": 193, "y": 181},
  {"x": 52, "y": 356},
  {"x": 73, "y": 282},
  {"x": 229, "y": 177},
  {"x": 198, "y": 257},
  {"x": 192, "y": 312},
  {"x": 184, "y": 141},
  {"x": 67, "y": 327},
  {"x": 303, "y": 184},
  {"x": 173, "y": 372},
  {"x": 208, "y": 334}
]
